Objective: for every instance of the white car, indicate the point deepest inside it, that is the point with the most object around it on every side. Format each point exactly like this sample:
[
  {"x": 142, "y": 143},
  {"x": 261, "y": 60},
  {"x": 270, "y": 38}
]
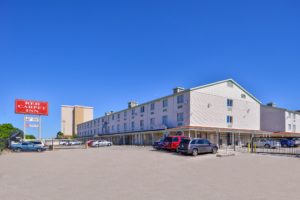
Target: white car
[
  {"x": 38, "y": 143},
  {"x": 63, "y": 142},
  {"x": 265, "y": 143},
  {"x": 101, "y": 143},
  {"x": 74, "y": 142}
]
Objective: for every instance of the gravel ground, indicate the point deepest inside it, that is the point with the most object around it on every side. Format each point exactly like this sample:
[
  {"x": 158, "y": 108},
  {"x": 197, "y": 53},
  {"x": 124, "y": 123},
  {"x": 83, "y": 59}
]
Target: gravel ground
[{"x": 138, "y": 173}]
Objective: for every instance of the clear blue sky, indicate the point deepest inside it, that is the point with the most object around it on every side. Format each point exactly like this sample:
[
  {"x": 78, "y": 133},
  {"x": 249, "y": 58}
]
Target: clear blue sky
[{"x": 105, "y": 53}]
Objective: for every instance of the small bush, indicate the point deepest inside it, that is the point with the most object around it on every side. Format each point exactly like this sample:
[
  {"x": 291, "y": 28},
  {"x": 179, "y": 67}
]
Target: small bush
[{"x": 3, "y": 145}]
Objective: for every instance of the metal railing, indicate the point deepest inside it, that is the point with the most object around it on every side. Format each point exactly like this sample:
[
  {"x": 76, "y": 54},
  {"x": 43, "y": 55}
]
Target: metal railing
[{"x": 289, "y": 146}]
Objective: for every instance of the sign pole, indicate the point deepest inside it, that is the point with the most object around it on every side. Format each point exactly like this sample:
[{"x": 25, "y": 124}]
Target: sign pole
[
  {"x": 40, "y": 127},
  {"x": 24, "y": 128}
]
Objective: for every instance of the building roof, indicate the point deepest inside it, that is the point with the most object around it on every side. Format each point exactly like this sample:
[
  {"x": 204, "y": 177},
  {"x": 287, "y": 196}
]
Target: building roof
[
  {"x": 224, "y": 81},
  {"x": 283, "y": 109},
  {"x": 69, "y": 106},
  {"x": 182, "y": 92}
]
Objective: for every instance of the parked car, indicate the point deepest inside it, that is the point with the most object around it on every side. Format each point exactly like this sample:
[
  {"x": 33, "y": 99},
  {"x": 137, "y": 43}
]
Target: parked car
[
  {"x": 287, "y": 143},
  {"x": 63, "y": 142},
  {"x": 27, "y": 146},
  {"x": 38, "y": 143},
  {"x": 158, "y": 144},
  {"x": 172, "y": 142},
  {"x": 267, "y": 143},
  {"x": 297, "y": 141},
  {"x": 196, "y": 146},
  {"x": 101, "y": 143},
  {"x": 89, "y": 142},
  {"x": 74, "y": 142}
]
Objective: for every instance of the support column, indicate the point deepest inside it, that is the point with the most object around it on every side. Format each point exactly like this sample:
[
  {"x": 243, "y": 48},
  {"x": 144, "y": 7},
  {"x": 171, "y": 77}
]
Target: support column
[
  {"x": 218, "y": 138},
  {"x": 233, "y": 136},
  {"x": 152, "y": 139}
]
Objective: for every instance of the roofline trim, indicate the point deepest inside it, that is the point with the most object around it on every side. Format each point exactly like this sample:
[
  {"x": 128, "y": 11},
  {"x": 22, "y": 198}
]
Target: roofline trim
[{"x": 227, "y": 80}]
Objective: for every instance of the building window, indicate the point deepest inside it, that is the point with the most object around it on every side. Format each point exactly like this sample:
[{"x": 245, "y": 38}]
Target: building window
[
  {"x": 132, "y": 112},
  {"x": 118, "y": 115},
  {"x": 179, "y": 99},
  {"x": 125, "y": 127},
  {"x": 165, "y": 103},
  {"x": 290, "y": 115},
  {"x": 165, "y": 120},
  {"x": 152, "y": 122},
  {"x": 294, "y": 116},
  {"x": 229, "y": 84},
  {"x": 132, "y": 125},
  {"x": 112, "y": 127},
  {"x": 290, "y": 127},
  {"x": 118, "y": 127},
  {"x": 229, "y": 119},
  {"x": 229, "y": 102},
  {"x": 125, "y": 114},
  {"x": 113, "y": 117},
  {"x": 294, "y": 128},
  {"x": 179, "y": 117},
  {"x": 243, "y": 96},
  {"x": 142, "y": 109},
  {"x": 152, "y": 106},
  {"x": 142, "y": 124}
]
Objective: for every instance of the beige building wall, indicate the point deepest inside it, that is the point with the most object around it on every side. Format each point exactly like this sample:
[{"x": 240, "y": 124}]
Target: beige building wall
[
  {"x": 67, "y": 120},
  {"x": 71, "y": 116}
]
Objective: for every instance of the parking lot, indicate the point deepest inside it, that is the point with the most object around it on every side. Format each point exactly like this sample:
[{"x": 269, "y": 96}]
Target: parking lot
[{"x": 128, "y": 172}]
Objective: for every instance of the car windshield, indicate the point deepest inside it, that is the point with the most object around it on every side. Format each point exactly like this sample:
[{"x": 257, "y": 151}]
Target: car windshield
[{"x": 185, "y": 141}]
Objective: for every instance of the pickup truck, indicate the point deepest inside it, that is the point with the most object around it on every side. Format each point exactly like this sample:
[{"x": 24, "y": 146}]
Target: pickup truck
[{"x": 27, "y": 146}]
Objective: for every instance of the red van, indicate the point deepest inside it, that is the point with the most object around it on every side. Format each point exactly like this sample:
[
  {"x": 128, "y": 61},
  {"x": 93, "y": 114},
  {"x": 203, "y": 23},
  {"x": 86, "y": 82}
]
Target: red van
[{"x": 172, "y": 142}]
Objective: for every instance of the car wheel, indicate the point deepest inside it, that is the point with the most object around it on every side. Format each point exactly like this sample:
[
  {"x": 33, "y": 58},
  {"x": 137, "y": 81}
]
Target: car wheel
[
  {"x": 39, "y": 150},
  {"x": 195, "y": 152},
  {"x": 285, "y": 145},
  {"x": 109, "y": 144},
  {"x": 177, "y": 150},
  {"x": 267, "y": 146},
  {"x": 18, "y": 150},
  {"x": 214, "y": 150},
  {"x": 98, "y": 145}
]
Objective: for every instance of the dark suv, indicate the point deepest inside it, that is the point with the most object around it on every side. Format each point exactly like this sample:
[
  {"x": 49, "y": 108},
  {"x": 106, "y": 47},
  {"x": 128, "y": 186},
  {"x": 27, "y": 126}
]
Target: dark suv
[{"x": 196, "y": 146}]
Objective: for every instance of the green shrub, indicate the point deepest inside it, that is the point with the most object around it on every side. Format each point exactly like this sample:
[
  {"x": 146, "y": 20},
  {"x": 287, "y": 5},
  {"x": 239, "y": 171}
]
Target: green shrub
[{"x": 2, "y": 145}]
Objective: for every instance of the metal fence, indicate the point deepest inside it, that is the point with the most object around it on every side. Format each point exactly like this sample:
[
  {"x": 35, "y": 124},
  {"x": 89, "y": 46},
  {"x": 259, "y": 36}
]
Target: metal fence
[
  {"x": 62, "y": 144},
  {"x": 272, "y": 145}
]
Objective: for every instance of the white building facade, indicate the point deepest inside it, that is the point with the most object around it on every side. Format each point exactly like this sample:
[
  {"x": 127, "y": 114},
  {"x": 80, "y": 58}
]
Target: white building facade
[
  {"x": 278, "y": 120},
  {"x": 223, "y": 105}
]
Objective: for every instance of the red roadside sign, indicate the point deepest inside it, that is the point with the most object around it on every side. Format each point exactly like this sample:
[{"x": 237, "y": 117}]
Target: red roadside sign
[{"x": 31, "y": 107}]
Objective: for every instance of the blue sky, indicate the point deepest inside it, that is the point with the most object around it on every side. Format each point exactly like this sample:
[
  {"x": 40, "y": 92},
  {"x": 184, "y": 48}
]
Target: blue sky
[{"x": 105, "y": 53}]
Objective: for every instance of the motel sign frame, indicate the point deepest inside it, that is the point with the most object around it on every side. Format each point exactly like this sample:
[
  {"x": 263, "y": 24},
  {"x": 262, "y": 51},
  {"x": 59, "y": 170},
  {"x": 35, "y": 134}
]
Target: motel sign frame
[{"x": 32, "y": 107}]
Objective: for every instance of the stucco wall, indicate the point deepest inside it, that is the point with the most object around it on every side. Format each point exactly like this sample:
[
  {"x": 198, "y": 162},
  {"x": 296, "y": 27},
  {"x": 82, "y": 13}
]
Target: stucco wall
[
  {"x": 272, "y": 119},
  {"x": 209, "y": 108}
]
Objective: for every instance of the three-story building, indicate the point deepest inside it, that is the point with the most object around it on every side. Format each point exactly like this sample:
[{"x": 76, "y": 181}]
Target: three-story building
[{"x": 223, "y": 111}]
